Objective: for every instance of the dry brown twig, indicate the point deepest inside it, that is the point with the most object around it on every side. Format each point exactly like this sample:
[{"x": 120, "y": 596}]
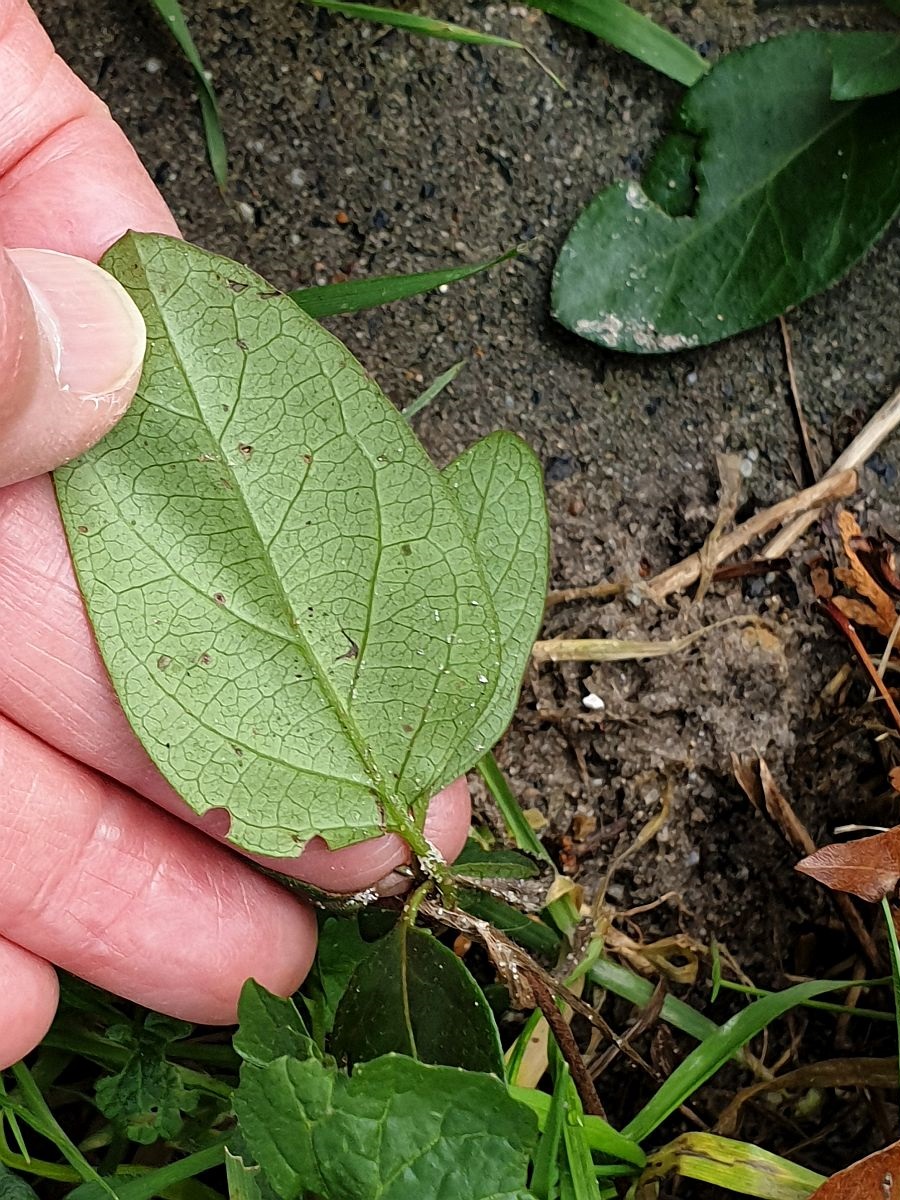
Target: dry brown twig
[
  {"x": 836, "y": 486},
  {"x": 626, "y": 650},
  {"x": 863, "y": 446},
  {"x": 795, "y": 515}
]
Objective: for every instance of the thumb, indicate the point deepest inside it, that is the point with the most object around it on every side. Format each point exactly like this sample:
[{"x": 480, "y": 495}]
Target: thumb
[{"x": 71, "y": 347}]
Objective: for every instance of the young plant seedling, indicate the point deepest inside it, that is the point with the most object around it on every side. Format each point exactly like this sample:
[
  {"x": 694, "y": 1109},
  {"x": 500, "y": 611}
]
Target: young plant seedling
[{"x": 308, "y": 625}]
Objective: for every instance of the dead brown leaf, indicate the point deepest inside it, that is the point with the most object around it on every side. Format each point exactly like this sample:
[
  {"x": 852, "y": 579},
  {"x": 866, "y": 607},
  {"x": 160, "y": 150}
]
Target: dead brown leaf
[
  {"x": 876, "y": 609},
  {"x": 868, "y": 867},
  {"x": 874, "y": 1178}
]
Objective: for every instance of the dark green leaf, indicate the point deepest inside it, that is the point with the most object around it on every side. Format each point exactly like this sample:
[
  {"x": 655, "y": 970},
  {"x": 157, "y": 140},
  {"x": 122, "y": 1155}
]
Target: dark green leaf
[
  {"x": 358, "y": 294},
  {"x": 269, "y": 1027},
  {"x": 395, "y": 1130},
  {"x": 170, "y": 11},
  {"x": 285, "y": 591},
  {"x": 13, "y": 1187},
  {"x": 412, "y": 995},
  {"x": 628, "y": 30},
  {"x": 869, "y": 65},
  {"x": 341, "y": 949},
  {"x": 529, "y": 932},
  {"x": 475, "y": 863},
  {"x": 147, "y": 1098},
  {"x": 792, "y": 188}
]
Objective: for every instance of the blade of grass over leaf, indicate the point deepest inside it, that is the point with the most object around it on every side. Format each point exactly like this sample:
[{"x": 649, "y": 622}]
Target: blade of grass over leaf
[
  {"x": 171, "y": 13},
  {"x": 716, "y": 1050},
  {"x": 37, "y": 1113},
  {"x": 628, "y": 30},
  {"x": 433, "y": 390},
  {"x": 444, "y": 31},
  {"x": 599, "y": 1134},
  {"x": 156, "y": 1182},
  {"x": 356, "y": 295}
]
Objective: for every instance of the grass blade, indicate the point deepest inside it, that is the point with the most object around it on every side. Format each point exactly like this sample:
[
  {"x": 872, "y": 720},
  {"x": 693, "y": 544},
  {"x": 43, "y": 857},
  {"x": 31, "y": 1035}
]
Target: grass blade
[
  {"x": 433, "y": 390},
  {"x": 895, "y": 959},
  {"x": 628, "y": 30},
  {"x": 334, "y": 299},
  {"x": 628, "y": 986},
  {"x": 599, "y": 1135},
  {"x": 545, "y": 1173},
  {"x": 513, "y": 818},
  {"x": 445, "y": 31},
  {"x": 170, "y": 11},
  {"x": 717, "y": 1048}
]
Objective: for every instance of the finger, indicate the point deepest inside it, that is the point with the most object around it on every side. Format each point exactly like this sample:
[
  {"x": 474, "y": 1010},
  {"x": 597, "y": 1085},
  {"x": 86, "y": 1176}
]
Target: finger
[
  {"x": 71, "y": 347},
  {"x": 121, "y": 894},
  {"x": 53, "y": 682},
  {"x": 69, "y": 180},
  {"x": 375, "y": 863},
  {"x": 29, "y": 991}
]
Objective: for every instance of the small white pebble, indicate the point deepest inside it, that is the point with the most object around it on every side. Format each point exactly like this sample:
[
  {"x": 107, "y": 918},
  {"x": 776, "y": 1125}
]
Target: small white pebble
[
  {"x": 153, "y": 66},
  {"x": 593, "y": 702}
]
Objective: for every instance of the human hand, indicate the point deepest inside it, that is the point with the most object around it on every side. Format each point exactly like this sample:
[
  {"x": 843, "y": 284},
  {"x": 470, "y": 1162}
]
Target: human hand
[{"x": 94, "y": 878}]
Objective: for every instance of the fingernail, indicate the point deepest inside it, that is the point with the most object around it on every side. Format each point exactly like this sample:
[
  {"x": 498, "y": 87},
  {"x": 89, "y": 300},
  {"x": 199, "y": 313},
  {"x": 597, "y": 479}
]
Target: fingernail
[{"x": 94, "y": 331}]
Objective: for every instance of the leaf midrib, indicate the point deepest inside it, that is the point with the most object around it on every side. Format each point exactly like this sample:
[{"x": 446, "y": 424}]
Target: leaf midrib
[{"x": 352, "y": 731}]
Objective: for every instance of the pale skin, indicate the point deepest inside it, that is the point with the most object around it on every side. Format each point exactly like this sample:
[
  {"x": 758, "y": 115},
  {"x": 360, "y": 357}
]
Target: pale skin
[{"x": 101, "y": 872}]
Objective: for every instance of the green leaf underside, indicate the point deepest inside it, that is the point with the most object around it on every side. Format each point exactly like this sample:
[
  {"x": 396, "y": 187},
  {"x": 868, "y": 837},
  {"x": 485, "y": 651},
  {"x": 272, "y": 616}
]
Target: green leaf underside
[
  {"x": 285, "y": 591},
  {"x": 869, "y": 65},
  {"x": 792, "y": 188},
  {"x": 412, "y": 995},
  {"x": 629, "y": 30},
  {"x": 395, "y": 1130}
]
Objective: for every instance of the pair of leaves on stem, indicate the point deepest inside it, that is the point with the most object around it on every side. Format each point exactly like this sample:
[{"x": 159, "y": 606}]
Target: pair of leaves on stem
[
  {"x": 394, "y": 1130},
  {"x": 782, "y": 169},
  {"x": 307, "y": 624}
]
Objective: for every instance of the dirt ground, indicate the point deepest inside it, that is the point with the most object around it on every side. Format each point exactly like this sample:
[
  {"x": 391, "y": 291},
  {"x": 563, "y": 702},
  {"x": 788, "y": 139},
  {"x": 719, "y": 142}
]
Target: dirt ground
[{"x": 440, "y": 154}]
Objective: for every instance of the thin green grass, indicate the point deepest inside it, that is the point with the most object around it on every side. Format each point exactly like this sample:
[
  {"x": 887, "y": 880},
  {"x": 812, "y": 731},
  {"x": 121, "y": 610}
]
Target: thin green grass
[
  {"x": 715, "y": 1050},
  {"x": 356, "y": 295},
  {"x": 429, "y": 27},
  {"x": 433, "y": 390},
  {"x": 895, "y": 962},
  {"x": 170, "y": 11},
  {"x": 628, "y": 30}
]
